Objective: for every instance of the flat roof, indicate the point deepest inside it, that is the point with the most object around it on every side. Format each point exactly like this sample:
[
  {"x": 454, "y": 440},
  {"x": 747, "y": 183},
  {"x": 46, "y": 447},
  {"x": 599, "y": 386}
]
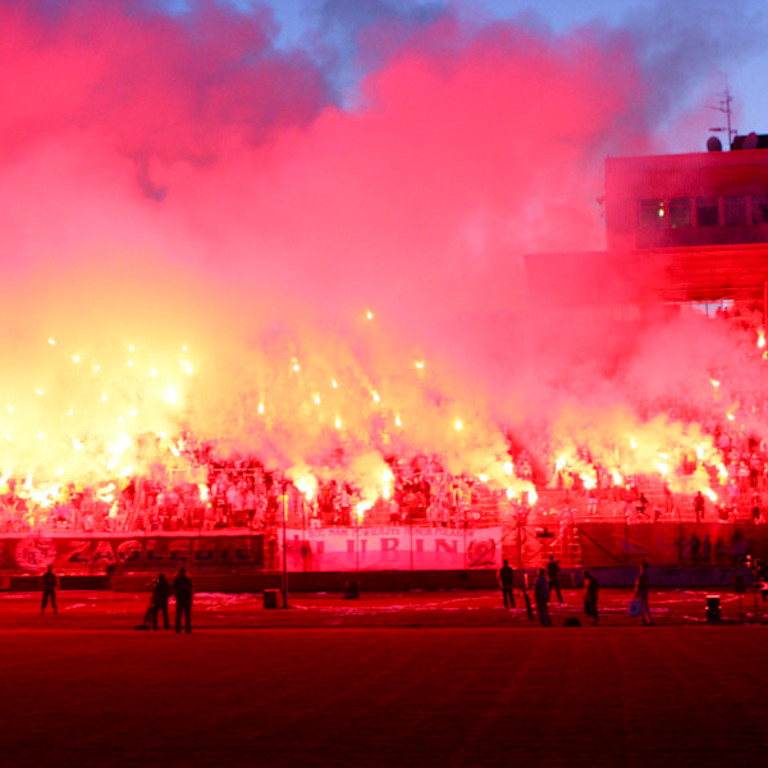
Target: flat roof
[{"x": 690, "y": 160}]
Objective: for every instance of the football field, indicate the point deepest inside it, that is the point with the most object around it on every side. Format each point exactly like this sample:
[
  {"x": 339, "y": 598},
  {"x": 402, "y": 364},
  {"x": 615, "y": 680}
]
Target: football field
[{"x": 493, "y": 696}]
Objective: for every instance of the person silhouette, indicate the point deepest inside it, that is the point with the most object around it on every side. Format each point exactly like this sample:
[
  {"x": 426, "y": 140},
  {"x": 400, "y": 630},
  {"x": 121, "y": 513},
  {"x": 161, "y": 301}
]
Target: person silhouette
[
  {"x": 591, "y": 590},
  {"x": 182, "y": 589},
  {"x": 161, "y": 592},
  {"x": 50, "y": 583},
  {"x": 642, "y": 586},
  {"x": 541, "y": 596},
  {"x": 506, "y": 583},
  {"x": 553, "y": 577}
]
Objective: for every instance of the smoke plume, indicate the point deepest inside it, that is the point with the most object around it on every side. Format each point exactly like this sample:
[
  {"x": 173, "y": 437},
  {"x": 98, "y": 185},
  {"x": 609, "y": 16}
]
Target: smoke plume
[{"x": 200, "y": 233}]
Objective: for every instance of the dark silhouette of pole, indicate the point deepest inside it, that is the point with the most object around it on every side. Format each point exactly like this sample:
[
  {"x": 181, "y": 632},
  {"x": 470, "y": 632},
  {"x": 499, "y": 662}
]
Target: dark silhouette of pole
[
  {"x": 285, "y": 544},
  {"x": 467, "y": 510},
  {"x": 410, "y": 533},
  {"x": 357, "y": 544}
]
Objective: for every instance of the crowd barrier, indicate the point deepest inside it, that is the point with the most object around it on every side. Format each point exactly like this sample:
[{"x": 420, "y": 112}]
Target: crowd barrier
[
  {"x": 107, "y": 552},
  {"x": 387, "y": 548}
]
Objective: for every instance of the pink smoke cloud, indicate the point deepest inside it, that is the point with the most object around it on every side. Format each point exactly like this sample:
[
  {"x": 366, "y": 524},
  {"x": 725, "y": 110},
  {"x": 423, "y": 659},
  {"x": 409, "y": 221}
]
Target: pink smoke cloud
[
  {"x": 177, "y": 180},
  {"x": 150, "y": 85}
]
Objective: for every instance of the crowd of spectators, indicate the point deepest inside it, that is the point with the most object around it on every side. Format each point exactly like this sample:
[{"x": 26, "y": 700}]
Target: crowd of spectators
[
  {"x": 241, "y": 493},
  {"x": 210, "y": 493}
]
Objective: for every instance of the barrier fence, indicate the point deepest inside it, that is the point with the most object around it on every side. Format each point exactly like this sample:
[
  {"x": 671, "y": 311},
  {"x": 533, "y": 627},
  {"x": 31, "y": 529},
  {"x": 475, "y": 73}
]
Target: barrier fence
[{"x": 388, "y": 548}]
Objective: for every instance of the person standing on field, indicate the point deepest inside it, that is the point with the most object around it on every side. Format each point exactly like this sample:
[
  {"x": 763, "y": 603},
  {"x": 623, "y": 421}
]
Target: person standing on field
[
  {"x": 553, "y": 576},
  {"x": 641, "y": 593},
  {"x": 161, "y": 592},
  {"x": 506, "y": 583},
  {"x": 182, "y": 590},
  {"x": 50, "y": 584},
  {"x": 541, "y": 596},
  {"x": 591, "y": 589}
]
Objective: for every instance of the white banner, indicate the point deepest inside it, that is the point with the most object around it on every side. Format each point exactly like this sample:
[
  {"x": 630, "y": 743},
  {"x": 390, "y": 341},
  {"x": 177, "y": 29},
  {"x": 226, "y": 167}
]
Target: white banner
[{"x": 391, "y": 548}]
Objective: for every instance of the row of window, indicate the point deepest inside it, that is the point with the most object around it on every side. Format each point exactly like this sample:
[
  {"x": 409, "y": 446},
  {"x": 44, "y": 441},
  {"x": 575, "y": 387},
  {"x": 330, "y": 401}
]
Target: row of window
[{"x": 682, "y": 212}]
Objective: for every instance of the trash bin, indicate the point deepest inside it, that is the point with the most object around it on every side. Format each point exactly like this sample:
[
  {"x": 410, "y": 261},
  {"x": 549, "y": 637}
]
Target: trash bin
[
  {"x": 271, "y": 598},
  {"x": 351, "y": 589},
  {"x": 713, "y": 608}
]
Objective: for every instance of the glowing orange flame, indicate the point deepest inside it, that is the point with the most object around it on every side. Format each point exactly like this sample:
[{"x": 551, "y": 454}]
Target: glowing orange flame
[
  {"x": 387, "y": 480},
  {"x": 307, "y": 484},
  {"x": 361, "y": 508}
]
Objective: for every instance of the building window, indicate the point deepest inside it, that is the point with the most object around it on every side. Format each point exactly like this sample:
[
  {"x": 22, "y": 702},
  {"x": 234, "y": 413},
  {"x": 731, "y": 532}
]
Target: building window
[
  {"x": 707, "y": 214},
  {"x": 652, "y": 214},
  {"x": 679, "y": 212},
  {"x": 712, "y": 308},
  {"x": 760, "y": 209},
  {"x": 735, "y": 210}
]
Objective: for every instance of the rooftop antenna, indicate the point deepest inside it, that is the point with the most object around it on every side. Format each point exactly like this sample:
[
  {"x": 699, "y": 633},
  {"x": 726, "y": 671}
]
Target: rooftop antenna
[{"x": 724, "y": 105}]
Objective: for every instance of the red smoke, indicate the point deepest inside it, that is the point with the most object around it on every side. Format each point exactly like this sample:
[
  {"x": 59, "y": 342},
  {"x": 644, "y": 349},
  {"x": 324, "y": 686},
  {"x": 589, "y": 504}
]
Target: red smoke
[
  {"x": 170, "y": 180},
  {"x": 150, "y": 86}
]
